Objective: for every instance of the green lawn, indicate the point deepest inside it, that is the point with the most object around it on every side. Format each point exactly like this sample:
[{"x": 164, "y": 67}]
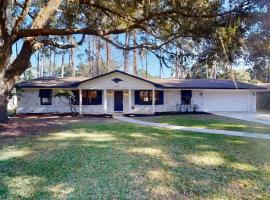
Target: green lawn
[
  {"x": 210, "y": 121},
  {"x": 122, "y": 161}
]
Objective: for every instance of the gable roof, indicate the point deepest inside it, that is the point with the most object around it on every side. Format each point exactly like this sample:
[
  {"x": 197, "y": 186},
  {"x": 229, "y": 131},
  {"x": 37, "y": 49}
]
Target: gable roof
[{"x": 73, "y": 82}]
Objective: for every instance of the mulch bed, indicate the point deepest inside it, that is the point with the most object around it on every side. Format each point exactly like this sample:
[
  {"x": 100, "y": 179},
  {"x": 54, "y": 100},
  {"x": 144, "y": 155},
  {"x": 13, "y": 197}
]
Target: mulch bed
[{"x": 24, "y": 125}]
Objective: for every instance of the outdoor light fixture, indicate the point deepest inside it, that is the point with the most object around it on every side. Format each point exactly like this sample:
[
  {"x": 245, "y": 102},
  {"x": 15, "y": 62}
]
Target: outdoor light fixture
[
  {"x": 110, "y": 92},
  {"x": 126, "y": 93}
]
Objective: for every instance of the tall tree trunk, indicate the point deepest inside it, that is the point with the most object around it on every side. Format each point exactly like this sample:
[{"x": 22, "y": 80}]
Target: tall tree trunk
[
  {"x": 62, "y": 64},
  {"x": 43, "y": 64},
  {"x": 135, "y": 67},
  {"x": 126, "y": 53},
  {"x": 89, "y": 58},
  {"x": 71, "y": 58},
  {"x": 177, "y": 64},
  {"x": 54, "y": 65},
  {"x": 38, "y": 64},
  {"x": 71, "y": 62},
  {"x": 108, "y": 56},
  {"x": 98, "y": 56},
  {"x": 268, "y": 70},
  {"x": 146, "y": 64},
  {"x": 3, "y": 99}
]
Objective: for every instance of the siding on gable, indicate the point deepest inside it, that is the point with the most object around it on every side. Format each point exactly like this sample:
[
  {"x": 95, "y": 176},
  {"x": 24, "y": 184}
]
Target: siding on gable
[{"x": 106, "y": 82}]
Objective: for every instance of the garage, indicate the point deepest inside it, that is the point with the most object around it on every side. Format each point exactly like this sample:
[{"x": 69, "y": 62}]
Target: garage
[{"x": 226, "y": 101}]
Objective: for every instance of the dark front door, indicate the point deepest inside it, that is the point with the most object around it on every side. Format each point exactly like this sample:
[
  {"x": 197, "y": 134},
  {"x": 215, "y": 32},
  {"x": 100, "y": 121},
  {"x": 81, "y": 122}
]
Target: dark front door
[{"x": 118, "y": 100}]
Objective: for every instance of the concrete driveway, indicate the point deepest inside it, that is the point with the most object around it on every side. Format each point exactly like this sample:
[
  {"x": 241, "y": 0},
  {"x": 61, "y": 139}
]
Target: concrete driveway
[{"x": 262, "y": 118}]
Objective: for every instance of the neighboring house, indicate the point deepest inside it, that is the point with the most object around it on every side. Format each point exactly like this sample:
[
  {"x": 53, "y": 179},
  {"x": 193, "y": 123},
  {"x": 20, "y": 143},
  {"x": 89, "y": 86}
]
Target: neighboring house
[{"x": 118, "y": 91}]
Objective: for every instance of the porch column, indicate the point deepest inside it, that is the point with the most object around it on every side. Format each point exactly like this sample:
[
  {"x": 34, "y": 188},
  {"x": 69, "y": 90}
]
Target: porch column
[
  {"x": 153, "y": 101},
  {"x": 80, "y": 101},
  {"x": 105, "y": 101},
  {"x": 129, "y": 101}
]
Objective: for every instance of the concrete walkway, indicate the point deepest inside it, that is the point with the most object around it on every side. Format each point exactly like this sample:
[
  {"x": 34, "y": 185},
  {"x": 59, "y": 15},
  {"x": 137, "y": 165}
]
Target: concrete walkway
[{"x": 185, "y": 128}]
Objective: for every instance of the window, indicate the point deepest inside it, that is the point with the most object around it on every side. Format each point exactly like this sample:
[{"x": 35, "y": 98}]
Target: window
[
  {"x": 186, "y": 97},
  {"x": 143, "y": 97},
  {"x": 91, "y": 97},
  {"x": 76, "y": 95},
  {"x": 45, "y": 96},
  {"x": 159, "y": 96}
]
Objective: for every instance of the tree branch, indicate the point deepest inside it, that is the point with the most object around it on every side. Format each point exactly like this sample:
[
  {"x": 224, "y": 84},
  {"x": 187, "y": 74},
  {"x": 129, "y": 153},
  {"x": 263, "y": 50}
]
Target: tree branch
[
  {"x": 47, "y": 42},
  {"x": 21, "y": 63},
  {"x": 148, "y": 45},
  {"x": 69, "y": 31},
  {"x": 3, "y": 20},
  {"x": 21, "y": 17}
]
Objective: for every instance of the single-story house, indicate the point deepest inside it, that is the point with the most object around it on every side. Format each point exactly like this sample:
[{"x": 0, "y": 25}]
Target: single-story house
[{"x": 118, "y": 91}]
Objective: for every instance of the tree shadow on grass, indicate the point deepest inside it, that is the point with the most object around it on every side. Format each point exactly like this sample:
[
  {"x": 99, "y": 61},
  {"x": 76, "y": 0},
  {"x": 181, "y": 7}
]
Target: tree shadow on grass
[{"x": 133, "y": 162}]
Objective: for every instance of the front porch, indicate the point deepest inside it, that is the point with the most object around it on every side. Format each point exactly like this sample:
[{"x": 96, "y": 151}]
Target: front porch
[{"x": 117, "y": 101}]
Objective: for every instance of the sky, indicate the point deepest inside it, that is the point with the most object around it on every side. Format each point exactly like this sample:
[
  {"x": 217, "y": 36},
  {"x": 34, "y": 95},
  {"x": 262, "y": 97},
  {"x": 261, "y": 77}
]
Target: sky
[{"x": 117, "y": 55}]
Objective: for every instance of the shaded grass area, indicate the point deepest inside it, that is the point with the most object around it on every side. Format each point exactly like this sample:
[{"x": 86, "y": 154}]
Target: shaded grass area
[
  {"x": 211, "y": 122},
  {"x": 122, "y": 161}
]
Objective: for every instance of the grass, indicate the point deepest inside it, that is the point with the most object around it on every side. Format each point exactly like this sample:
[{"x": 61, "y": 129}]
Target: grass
[
  {"x": 211, "y": 122},
  {"x": 122, "y": 161}
]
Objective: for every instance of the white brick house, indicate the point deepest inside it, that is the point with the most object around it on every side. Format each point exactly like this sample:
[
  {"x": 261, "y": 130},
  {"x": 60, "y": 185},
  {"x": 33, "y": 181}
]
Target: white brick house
[{"x": 118, "y": 91}]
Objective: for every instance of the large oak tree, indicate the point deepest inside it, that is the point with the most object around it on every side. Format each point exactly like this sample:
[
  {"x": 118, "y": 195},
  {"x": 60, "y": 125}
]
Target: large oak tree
[{"x": 159, "y": 25}]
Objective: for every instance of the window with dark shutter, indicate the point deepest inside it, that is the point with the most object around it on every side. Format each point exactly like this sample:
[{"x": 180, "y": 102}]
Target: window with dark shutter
[
  {"x": 159, "y": 97},
  {"x": 137, "y": 97},
  {"x": 143, "y": 97},
  {"x": 91, "y": 97},
  {"x": 45, "y": 96},
  {"x": 186, "y": 96}
]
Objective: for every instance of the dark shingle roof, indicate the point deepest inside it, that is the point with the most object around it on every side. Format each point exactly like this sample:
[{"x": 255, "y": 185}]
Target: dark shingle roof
[
  {"x": 71, "y": 82},
  {"x": 204, "y": 84},
  {"x": 265, "y": 85},
  {"x": 52, "y": 82}
]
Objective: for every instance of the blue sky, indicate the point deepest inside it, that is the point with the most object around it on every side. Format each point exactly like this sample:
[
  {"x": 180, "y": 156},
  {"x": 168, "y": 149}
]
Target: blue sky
[{"x": 117, "y": 55}]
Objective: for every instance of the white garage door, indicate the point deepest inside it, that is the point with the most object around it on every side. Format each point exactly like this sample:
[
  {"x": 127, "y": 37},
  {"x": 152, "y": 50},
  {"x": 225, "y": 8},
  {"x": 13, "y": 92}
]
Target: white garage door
[{"x": 226, "y": 101}]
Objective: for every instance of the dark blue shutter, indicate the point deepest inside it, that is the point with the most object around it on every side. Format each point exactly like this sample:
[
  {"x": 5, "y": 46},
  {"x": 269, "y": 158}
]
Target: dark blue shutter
[
  {"x": 45, "y": 93},
  {"x": 189, "y": 93},
  {"x": 99, "y": 97},
  {"x": 137, "y": 97},
  {"x": 161, "y": 97}
]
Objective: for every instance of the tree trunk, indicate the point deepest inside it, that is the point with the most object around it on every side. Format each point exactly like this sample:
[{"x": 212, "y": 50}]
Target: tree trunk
[
  {"x": 108, "y": 56},
  {"x": 268, "y": 70},
  {"x": 3, "y": 99},
  {"x": 126, "y": 53},
  {"x": 135, "y": 67},
  {"x": 62, "y": 64},
  {"x": 98, "y": 56}
]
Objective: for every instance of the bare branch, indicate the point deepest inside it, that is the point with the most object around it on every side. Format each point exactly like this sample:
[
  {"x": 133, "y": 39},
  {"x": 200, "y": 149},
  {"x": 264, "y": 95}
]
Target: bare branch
[
  {"x": 21, "y": 17},
  {"x": 148, "y": 45},
  {"x": 47, "y": 42},
  {"x": 16, "y": 3}
]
